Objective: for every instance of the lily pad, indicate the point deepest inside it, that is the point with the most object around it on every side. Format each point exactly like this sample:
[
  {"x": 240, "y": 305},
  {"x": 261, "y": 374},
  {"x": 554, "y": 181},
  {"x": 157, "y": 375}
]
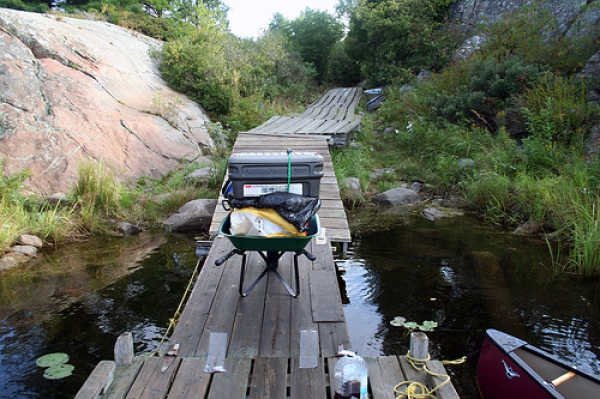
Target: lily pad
[
  {"x": 428, "y": 325},
  {"x": 398, "y": 321},
  {"x": 59, "y": 371},
  {"x": 52, "y": 359}
]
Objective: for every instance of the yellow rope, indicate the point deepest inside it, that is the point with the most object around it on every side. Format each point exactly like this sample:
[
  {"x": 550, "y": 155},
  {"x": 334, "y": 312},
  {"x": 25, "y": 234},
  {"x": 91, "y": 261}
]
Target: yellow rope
[
  {"x": 175, "y": 319},
  {"x": 417, "y": 390}
]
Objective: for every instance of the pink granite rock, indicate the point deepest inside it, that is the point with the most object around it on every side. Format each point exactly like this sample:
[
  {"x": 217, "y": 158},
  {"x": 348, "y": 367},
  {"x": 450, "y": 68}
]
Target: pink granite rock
[{"x": 74, "y": 90}]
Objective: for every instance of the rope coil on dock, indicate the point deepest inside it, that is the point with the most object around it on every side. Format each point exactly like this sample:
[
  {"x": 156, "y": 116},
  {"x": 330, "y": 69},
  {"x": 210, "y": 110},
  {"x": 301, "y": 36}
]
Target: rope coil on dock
[{"x": 417, "y": 390}]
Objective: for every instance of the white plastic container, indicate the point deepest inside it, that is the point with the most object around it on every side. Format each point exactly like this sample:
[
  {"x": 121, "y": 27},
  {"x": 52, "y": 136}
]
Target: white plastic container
[{"x": 351, "y": 376}]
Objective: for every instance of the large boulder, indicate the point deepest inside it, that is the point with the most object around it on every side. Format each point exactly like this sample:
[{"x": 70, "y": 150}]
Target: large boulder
[
  {"x": 195, "y": 215},
  {"x": 397, "y": 196},
  {"x": 575, "y": 17},
  {"x": 75, "y": 90}
]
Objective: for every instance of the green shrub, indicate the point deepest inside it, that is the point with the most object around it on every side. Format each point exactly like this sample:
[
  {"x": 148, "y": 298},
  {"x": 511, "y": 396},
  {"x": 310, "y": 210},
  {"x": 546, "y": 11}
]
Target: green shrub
[
  {"x": 531, "y": 33},
  {"x": 488, "y": 85},
  {"x": 557, "y": 109}
]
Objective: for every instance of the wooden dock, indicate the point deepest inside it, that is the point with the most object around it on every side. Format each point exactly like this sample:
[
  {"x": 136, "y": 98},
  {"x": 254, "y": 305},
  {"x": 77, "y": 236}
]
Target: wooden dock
[{"x": 267, "y": 344}]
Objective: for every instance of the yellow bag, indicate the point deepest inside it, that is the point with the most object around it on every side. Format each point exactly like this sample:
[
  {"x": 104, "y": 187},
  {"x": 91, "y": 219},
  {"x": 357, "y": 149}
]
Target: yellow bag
[{"x": 263, "y": 222}]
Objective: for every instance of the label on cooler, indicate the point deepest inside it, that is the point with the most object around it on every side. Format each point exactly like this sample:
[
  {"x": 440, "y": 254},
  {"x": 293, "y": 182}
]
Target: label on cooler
[{"x": 256, "y": 190}]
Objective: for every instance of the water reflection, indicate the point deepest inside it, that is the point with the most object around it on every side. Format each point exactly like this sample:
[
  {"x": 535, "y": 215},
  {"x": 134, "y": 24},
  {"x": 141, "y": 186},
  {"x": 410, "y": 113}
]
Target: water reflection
[
  {"x": 80, "y": 299},
  {"x": 467, "y": 277}
]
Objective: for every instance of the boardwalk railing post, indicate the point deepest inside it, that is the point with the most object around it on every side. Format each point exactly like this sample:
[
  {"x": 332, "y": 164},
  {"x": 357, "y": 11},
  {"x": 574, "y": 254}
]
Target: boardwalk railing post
[{"x": 124, "y": 350}]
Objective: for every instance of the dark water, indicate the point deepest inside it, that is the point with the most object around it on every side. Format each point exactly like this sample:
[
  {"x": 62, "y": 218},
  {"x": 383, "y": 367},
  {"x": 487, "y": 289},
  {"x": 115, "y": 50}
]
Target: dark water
[
  {"x": 468, "y": 277},
  {"x": 79, "y": 299}
]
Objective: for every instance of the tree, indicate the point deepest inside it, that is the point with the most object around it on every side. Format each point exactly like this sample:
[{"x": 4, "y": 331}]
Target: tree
[
  {"x": 390, "y": 37},
  {"x": 313, "y": 34}
]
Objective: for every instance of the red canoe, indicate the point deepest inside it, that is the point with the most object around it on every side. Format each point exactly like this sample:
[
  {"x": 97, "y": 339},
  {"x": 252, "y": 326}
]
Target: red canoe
[{"x": 510, "y": 368}]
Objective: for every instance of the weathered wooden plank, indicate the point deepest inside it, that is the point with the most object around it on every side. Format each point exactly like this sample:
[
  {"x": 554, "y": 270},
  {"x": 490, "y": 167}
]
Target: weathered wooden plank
[
  {"x": 325, "y": 128},
  {"x": 275, "y": 336},
  {"x": 409, "y": 372},
  {"x": 326, "y": 302},
  {"x": 446, "y": 391},
  {"x": 301, "y": 306},
  {"x": 307, "y": 383},
  {"x": 151, "y": 383},
  {"x": 224, "y": 306},
  {"x": 266, "y": 126},
  {"x": 233, "y": 383},
  {"x": 245, "y": 339},
  {"x": 124, "y": 349},
  {"x": 190, "y": 382},
  {"x": 269, "y": 379},
  {"x": 124, "y": 378},
  {"x": 193, "y": 318},
  {"x": 355, "y": 101},
  {"x": 384, "y": 374},
  {"x": 331, "y": 334},
  {"x": 331, "y": 361},
  {"x": 99, "y": 381}
]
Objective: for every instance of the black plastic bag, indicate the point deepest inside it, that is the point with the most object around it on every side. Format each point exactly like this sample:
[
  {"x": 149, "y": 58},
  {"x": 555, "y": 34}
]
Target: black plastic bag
[{"x": 296, "y": 209}]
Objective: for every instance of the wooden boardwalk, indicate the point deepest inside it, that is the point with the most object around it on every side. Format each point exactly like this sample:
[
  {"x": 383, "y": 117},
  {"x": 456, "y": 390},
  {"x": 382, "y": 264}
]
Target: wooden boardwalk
[
  {"x": 332, "y": 115},
  {"x": 267, "y": 344}
]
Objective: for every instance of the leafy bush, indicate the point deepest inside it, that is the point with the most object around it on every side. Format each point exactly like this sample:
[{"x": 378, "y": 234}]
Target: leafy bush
[
  {"x": 390, "y": 35},
  {"x": 31, "y": 6},
  {"x": 557, "y": 109},
  {"x": 532, "y": 34},
  {"x": 488, "y": 85}
]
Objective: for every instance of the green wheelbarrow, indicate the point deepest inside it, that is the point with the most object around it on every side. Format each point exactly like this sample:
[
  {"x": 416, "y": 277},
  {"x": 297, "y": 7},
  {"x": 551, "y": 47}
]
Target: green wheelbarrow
[{"x": 271, "y": 249}]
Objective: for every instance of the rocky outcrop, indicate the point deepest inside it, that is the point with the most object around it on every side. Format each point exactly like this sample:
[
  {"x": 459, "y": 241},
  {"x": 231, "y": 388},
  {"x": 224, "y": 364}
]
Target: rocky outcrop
[
  {"x": 74, "y": 90},
  {"x": 575, "y": 17}
]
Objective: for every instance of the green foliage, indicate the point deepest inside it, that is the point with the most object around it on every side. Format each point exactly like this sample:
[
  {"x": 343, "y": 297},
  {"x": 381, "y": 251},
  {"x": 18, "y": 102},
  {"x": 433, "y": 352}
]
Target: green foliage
[
  {"x": 195, "y": 64},
  {"x": 389, "y": 36},
  {"x": 557, "y": 109},
  {"x": 341, "y": 69},
  {"x": 31, "y": 6},
  {"x": 486, "y": 86},
  {"x": 97, "y": 190},
  {"x": 156, "y": 27},
  {"x": 314, "y": 34},
  {"x": 10, "y": 185},
  {"x": 531, "y": 34}
]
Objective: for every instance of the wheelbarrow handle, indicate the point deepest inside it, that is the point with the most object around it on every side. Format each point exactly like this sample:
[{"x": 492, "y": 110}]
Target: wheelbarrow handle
[
  {"x": 222, "y": 260},
  {"x": 310, "y": 256}
]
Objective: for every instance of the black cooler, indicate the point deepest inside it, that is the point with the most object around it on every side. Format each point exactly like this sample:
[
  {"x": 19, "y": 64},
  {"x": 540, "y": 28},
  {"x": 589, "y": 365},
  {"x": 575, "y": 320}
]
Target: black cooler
[{"x": 253, "y": 174}]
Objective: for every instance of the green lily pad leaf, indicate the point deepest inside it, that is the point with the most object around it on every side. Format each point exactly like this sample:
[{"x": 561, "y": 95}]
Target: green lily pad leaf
[
  {"x": 52, "y": 359},
  {"x": 59, "y": 371},
  {"x": 398, "y": 321},
  {"x": 411, "y": 325},
  {"x": 428, "y": 325}
]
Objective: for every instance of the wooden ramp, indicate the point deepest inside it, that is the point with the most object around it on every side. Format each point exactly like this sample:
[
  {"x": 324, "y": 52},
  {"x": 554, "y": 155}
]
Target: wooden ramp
[
  {"x": 332, "y": 213},
  {"x": 332, "y": 116}
]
